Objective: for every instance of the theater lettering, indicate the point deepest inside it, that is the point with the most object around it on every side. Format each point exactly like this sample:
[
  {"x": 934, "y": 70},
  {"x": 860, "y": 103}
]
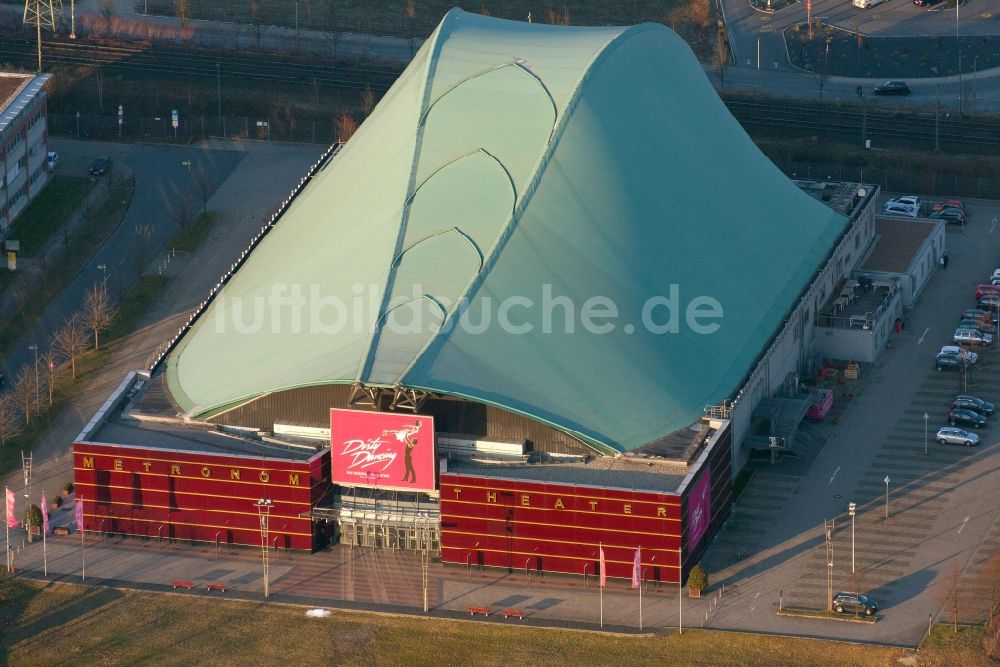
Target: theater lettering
[
  {"x": 224, "y": 473},
  {"x": 547, "y": 501}
]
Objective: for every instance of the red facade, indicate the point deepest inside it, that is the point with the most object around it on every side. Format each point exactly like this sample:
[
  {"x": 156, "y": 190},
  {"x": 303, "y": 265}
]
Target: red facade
[
  {"x": 197, "y": 496},
  {"x": 558, "y": 527}
]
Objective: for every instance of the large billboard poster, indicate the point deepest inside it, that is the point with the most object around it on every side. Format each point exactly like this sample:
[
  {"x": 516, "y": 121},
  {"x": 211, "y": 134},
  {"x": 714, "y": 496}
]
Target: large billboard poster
[
  {"x": 382, "y": 449},
  {"x": 699, "y": 510}
]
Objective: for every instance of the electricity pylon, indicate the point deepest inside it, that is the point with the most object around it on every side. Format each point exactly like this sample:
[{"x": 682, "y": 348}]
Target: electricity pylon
[{"x": 42, "y": 14}]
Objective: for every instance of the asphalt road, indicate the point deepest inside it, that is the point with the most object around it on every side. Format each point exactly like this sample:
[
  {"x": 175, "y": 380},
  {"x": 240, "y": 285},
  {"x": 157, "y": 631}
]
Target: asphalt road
[
  {"x": 943, "y": 506},
  {"x": 163, "y": 186}
]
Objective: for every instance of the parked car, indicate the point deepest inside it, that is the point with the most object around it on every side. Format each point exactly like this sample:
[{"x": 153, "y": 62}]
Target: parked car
[
  {"x": 948, "y": 203},
  {"x": 951, "y": 216},
  {"x": 978, "y": 325},
  {"x": 989, "y": 302},
  {"x": 926, "y": 3},
  {"x": 969, "y": 355},
  {"x": 986, "y": 288},
  {"x": 973, "y": 403},
  {"x": 977, "y": 313},
  {"x": 951, "y": 435},
  {"x": 949, "y": 362},
  {"x": 100, "y": 166},
  {"x": 855, "y": 603},
  {"x": 52, "y": 160},
  {"x": 893, "y": 88},
  {"x": 966, "y": 417},
  {"x": 906, "y": 200},
  {"x": 901, "y": 210},
  {"x": 972, "y": 337}
]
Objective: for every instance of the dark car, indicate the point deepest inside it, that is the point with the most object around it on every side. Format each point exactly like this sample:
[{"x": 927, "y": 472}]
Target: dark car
[
  {"x": 967, "y": 417},
  {"x": 926, "y": 3},
  {"x": 100, "y": 166},
  {"x": 989, "y": 302},
  {"x": 951, "y": 216},
  {"x": 893, "y": 88},
  {"x": 973, "y": 403},
  {"x": 851, "y": 602},
  {"x": 950, "y": 362},
  {"x": 977, "y": 314},
  {"x": 977, "y": 324}
]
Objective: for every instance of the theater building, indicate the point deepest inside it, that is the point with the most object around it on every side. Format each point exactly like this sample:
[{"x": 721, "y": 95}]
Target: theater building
[{"x": 526, "y": 313}]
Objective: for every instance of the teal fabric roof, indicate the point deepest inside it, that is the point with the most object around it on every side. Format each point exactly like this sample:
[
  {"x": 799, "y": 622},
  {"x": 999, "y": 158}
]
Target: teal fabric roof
[{"x": 514, "y": 174}]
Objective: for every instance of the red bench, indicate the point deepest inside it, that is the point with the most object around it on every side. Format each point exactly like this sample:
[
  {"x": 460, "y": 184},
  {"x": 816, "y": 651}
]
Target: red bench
[
  {"x": 485, "y": 611},
  {"x": 216, "y": 587},
  {"x": 181, "y": 583},
  {"x": 513, "y": 613}
]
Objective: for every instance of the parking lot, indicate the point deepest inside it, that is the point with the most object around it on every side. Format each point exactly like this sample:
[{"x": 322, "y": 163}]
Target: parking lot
[{"x": 941, "y": 505}]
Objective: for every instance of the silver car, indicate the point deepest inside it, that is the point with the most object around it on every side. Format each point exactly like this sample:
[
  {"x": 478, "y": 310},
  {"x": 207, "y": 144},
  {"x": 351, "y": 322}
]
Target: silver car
[
  {"x": 949, "y": 435},
  {"x": 972, "y": 337}
]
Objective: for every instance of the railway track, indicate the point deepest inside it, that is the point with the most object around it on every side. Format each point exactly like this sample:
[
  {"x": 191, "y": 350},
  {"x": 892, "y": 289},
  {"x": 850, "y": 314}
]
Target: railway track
[
  {"x": 133, "y": 59},
  {"x": 884, "y": 127}
]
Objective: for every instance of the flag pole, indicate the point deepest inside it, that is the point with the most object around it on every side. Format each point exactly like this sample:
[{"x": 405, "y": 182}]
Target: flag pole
[
  {"x": 680, "y": 597},
  {"x": 600, "y": 581},
  {"x": 45, "y": 530},
  {"x": 83, "y": 548},
  {"x": 6, "y": 523},
  {"x": 640, "y": 601}
]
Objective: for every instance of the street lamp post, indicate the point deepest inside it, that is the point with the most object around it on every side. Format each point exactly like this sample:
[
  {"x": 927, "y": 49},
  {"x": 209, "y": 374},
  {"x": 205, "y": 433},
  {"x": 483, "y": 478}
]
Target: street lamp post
[
  {"x": 886, "y": 480},
  {"x": 926, "y": 417},
  {"x": 187, "y": 163},
  {"x": 264, "y": 506},
  {"x": 851, "y": 507},
  {"x": 103, "y": 268}
]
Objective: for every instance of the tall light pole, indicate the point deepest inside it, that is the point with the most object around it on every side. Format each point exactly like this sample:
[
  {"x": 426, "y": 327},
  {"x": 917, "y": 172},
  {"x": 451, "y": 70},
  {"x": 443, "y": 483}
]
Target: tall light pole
[
  {"x": 26, "y": 469},
  {"x": 926, "y": 417},
  {"x": 851, "y": 507},
  {"x": 103, "y": 268},
  {"x": 264, "y": 506},
  {"x": 187, "y": 163},
  {"x": 886, "y": 480},
  {"x": 218, "y": 88},
  {"x": 72, "y": 19}
]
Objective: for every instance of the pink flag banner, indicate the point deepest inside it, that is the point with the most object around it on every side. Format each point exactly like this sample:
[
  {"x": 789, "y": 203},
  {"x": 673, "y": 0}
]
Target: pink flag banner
[
  {"x": 45, "y": 515},
  {"x": 79, "y": 513},
  {"x": 11, "y": 521},
  {"x": 604, "y": 572},
  {"x": 637, "y": 569}
]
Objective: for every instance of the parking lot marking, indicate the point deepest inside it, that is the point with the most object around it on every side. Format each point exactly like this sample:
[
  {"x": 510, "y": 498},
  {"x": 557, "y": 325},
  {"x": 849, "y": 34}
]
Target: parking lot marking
[
  {"x": 964, "y": 521},
  {"x": 754, "y": 603},
  {"x": 923, "y": 335},
  {"x": 994, "y": 225},
  {"x": 834, "y": 475}
]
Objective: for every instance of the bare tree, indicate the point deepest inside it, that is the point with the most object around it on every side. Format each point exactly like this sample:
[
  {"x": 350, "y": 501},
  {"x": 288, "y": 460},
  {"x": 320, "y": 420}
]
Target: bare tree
[
  {"x": 989, "y": 585},
  {"x": 559, "y": 18},
  {"x": 701, "y": 13},
  {"x": 411, "y": 9},
  {"x": 25, "y": 390},
  {"x": 107, "y": 8},
  {"x": 368, "y": 99},
  {"x": 204, "y": 187},
  {"x": 98, "y": 312},
  {"x": 71, "y": 340},
  {"x": 346, "y": 126},
  {"x": 10, "y": 425},
  {"x": 485, "y": 11},
  {"x": 722, "y": 52},
  {"x": 256, "y": 20},
  {"x": 948, "y": 593},
  {"x": 181, "y": 10}
]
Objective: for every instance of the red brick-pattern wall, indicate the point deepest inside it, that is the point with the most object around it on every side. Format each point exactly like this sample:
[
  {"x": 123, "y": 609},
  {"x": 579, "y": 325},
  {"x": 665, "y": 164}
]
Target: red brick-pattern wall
[
  {"x": 196, "y": 496},
  {"x": 558, "y": 527}
]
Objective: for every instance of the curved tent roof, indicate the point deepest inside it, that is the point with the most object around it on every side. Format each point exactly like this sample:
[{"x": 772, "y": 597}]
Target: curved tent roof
[{"x": 516, "y": 180}]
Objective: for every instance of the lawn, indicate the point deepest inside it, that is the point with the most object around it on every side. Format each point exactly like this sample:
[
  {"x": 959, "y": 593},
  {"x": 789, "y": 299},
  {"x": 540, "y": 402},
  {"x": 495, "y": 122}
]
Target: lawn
[
  {"x": 48, "y": 212},
  {"x": 61, "y": 622},
  {"x": 188, "y": 238}
]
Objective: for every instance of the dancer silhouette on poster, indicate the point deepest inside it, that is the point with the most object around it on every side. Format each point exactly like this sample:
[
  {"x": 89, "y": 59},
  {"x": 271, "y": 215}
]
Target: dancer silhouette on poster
[{"x": 407, "y": 435}]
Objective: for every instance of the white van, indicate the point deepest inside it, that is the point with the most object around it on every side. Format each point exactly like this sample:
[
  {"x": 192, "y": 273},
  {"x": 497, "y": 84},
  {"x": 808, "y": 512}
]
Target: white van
[{"x": 865, "y": 4}]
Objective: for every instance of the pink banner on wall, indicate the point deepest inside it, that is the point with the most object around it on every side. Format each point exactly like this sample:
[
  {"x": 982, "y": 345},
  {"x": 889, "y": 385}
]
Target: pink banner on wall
[
  {"x": 699, "y": 510},
  {"x": 382, "y": 449}
]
